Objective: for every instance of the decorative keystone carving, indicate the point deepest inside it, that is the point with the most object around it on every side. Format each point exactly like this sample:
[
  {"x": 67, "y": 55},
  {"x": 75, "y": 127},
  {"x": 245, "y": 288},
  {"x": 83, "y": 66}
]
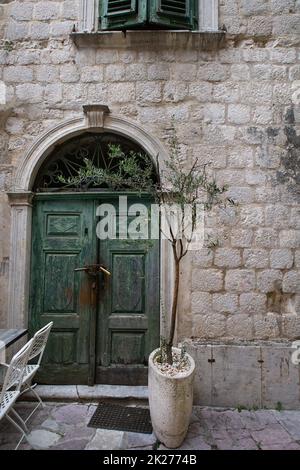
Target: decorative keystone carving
[{"x": 95, "y": 114}]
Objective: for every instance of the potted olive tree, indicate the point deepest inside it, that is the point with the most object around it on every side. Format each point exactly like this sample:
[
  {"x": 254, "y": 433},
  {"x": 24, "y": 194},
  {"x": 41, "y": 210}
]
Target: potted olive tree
[{"x": 185, "y": 188}]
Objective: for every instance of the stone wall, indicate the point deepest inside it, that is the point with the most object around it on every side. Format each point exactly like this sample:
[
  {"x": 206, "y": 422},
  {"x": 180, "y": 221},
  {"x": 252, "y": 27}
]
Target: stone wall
[{"x": 236, "y": 105}]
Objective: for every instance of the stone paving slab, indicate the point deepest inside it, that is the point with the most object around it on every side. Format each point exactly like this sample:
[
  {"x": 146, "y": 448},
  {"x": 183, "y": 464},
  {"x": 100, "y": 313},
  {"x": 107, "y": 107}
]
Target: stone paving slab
[
  {"x": 112, "y": 391},
  {"x": 73, "y": 393},
  {"x": 62, "y": 426}
]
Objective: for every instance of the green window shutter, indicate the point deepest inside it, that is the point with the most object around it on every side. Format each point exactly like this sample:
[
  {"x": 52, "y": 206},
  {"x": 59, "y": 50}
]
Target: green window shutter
[
  {"x": 122, "y": 14},
  {"x": 177, "y": 14}
]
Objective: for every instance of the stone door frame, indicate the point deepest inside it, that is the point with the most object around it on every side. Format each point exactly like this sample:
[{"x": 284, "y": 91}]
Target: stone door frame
[{"x": 95, "y": 118}]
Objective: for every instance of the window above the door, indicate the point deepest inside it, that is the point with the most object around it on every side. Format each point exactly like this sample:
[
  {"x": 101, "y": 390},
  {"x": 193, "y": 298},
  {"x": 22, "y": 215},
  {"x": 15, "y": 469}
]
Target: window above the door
[
  {"x": 148, "y": 14},
  {"x": 116, "y": 15}
]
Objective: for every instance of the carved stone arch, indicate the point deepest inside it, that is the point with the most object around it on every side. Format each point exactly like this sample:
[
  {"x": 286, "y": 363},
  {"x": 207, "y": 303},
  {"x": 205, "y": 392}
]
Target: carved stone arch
[{"x": 95, "y": 118}]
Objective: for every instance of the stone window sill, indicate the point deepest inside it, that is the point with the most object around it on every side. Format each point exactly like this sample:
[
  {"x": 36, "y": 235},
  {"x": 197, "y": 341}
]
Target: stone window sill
[{"x": 146, "y": 38}]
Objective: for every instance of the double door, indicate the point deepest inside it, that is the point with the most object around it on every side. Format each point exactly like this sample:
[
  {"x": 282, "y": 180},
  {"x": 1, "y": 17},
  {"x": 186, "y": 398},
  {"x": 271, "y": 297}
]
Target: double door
[{"x": 106, "y": 321}]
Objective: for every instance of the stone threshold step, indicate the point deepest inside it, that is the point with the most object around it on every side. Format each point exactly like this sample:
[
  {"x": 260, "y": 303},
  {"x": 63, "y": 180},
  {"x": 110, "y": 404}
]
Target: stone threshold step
[{"x": 95, "y": 393}]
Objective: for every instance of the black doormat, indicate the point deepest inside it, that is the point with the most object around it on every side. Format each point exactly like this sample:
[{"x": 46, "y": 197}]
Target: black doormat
[{"x": 121, "y": 418}]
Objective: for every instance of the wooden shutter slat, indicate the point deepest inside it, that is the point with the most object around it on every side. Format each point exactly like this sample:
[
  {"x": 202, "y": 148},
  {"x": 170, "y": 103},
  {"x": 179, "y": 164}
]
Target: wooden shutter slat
[
  {"x": 120, "y": 6},
  {"x": 122, "y": 14},
  {"x": 175, "y": 6},
  {"x": 173, "y": 14}
]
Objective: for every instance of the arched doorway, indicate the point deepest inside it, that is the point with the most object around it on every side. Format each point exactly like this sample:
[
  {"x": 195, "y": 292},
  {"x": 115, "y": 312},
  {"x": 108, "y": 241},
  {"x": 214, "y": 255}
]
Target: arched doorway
[
  {"x": 98, "y": 120},
  {"x": 105, "y": 325}
]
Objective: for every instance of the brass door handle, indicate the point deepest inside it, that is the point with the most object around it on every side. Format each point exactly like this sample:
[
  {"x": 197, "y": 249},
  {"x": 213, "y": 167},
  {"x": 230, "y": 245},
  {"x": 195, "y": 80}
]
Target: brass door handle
[
  {"x": 108, "y": 273},
  {"x": 94, "y": 269}
]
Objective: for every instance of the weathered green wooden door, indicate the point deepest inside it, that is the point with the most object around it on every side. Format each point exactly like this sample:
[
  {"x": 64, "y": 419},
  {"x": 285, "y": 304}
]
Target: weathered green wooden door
[
  {"x": 104, "y": 327},
  {"x": 63, "y": 239},
  {"x": 128, "y": 318}
]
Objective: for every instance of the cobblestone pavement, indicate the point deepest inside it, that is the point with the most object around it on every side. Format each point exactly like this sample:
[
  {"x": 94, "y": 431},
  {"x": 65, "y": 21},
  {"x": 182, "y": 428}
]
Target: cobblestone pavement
[{"x": 64, "y": 427}]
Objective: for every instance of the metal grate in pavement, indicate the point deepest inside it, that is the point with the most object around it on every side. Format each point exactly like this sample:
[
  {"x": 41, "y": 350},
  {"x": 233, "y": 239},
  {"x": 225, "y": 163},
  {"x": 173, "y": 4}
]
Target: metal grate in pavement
[{"x": 121, "y": 418}]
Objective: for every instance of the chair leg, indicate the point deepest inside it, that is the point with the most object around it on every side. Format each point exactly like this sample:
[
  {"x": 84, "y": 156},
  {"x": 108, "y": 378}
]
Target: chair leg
[
  {"x": 31, "y": 388},
  {"x": 19, "y": 429},
  {"x": 20, "y": 419}
]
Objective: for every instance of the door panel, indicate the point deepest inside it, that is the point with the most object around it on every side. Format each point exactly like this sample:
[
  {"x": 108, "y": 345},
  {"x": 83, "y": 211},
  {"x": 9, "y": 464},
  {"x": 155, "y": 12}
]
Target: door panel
[
  {"x": 128, "y": 317},
  {"x": 63, "y": 239},
  {"x": 104, "y": 327}
]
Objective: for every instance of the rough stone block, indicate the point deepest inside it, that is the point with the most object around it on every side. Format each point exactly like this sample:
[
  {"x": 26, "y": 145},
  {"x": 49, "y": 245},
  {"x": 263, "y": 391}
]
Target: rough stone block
[
  {"x": 240, "y": 280},
  {"x": 201, "y": 303},
  {"x": 158, "y": 72},
  {"x": 21, "y": 11},
  {"x": 39, "y": 30},
  {"x": 255, "y": 177},
  {"x": 283, "y": 6},
  {"x": 269, "y": 280},
  {"x": 115, "y": 73},
  {"x": 202, "y": 91},
  {"x": 259, "y": 25},
  {"x": 46, "y": 73},
  {"x": 277, "y": 216},
  {"x": 225, "y": 303},
  {"x": 90, "y": 74},
  {"x": 183, "y": 72},
  {"x": 213, "y": 72},
  {"x": 266, "y": 238},
  {"x": 46, "y": 10},
  {"x": 214, "y": 113},
  {"x": 136, "y": 72},
  {"x": 29, "y": 93},
  {"x": 283, "y": 55},
  {"x": 239, "y": 326},
  {"x": 209, "y": 326},
  {"x": 286, "y": 24},
  {"x": 227, "y": 258},
  {"x": 267, "y": 195},
  {"x": 121, "y": 92},
  {"x": 256, "y": 258},
  {"x": 266, "y": 326},
  {"x": 238, "y": 114},
  {"x": 53, "y": 93},
  {"x": 297, "y": 258},
  {"x": 227, "y": 92},
  {"x": 104, "y": 56},
  {"x": 241, "y": 195},
  {"x": 291, "y": 282},
  {"x": 289, "y": 238},
  {"x": 149, "y": 92},
  {"x": 251, "y": 216},
  {"x": 240, "y": 157},
  {"x": 241, "y": 238},
  {"x": 291, "y": 325},
  {"x": 240, "y": 72},
  {"x": 281, "y": 258},
  {"x": 175, "y": 91},
  {"x": 256, "y": 55},
  {"x": 69, "y": 74},
  {"x": 257, "y": 93},
  {"x": 203, "y": 258},
  {"x": 210, "y": 280},
  {"x": 295, "y": 217},
  {"x": 18, "y": 74},
  {"x": 252, "y": 302}
]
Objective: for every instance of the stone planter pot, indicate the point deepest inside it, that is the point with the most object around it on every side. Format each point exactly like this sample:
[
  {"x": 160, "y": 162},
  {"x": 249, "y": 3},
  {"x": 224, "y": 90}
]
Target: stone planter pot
[{"x": 171, "y": 402}]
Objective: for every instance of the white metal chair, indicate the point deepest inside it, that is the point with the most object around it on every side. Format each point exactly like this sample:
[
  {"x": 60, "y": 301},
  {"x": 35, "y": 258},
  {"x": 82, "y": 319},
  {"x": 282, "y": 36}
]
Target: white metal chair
[
  {"x": 39, "y": 342},
  {"x": 14, "y": 378}
]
